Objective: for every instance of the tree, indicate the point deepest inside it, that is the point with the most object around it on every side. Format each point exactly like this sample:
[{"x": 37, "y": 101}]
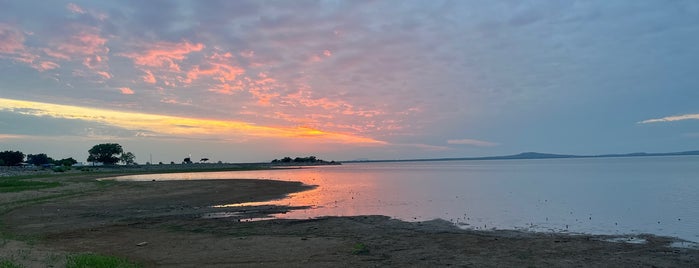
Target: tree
[
  {"x": 127, "y": 158},
  {"x": 105, "y": 153},
  {"x": 187, "y": 161},
  {"x": 204, "y": 160},
  {"x": 11, "y": 158},
  {"x": 38, "y": 159},
  {"x": 66, "y": 162}
]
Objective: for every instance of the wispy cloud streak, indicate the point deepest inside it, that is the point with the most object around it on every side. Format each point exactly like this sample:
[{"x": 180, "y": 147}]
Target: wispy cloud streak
[
  {"x": 473, "y": 142},
  {"x": 671, "y": 118}
]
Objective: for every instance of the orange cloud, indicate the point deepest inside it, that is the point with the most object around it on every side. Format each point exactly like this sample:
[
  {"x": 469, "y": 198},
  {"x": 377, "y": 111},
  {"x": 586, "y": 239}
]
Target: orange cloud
[
  {"x": 47, "y": 65},
  {"x": 149, "y": 77},
  {"x": 11, "y": 136},
  {"x": 105, "y": 75},
  {"x": 126, "y": 91},
  {"x": 182, "y": 127},
  {"x": 164, "y": 54}
]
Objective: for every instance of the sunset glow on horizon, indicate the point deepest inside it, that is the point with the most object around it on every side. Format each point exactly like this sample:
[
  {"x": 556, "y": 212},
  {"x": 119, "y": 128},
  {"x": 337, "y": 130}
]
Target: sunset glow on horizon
[
  {"x": 351, "y": 80},
  {"x": 153, "y": 125}
]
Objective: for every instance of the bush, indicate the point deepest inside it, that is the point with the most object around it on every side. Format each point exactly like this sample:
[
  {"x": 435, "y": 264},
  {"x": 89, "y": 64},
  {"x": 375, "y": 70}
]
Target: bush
[
  {"x": 92, "y": 260},
  {"x": 61, "y": 169}
]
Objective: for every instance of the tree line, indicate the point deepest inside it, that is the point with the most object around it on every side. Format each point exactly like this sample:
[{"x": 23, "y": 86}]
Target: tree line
[
  {"x": 106, "y": 153},
  {"x": 310, "y": 159}
]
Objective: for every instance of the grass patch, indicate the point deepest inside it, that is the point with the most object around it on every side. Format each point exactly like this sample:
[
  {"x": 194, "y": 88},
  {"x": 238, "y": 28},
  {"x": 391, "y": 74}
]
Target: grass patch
[
  {"x": 360, "y": 249},
  {"x": 16, "y": 185},
  {"x": 4, "y": 263},
  {"x": 92, "y": 260}
]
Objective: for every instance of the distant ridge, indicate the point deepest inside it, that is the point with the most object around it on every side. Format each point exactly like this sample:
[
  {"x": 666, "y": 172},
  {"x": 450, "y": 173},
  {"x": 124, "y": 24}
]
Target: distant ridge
[{"x": 535, "y": 155}]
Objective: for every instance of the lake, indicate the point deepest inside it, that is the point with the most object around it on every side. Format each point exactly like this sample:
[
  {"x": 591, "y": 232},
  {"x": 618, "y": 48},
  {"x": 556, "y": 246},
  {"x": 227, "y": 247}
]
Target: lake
[{"x": 657, "y": 195}]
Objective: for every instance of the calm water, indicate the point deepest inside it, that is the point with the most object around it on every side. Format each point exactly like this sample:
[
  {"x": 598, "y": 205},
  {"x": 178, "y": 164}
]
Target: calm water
[{"x": 658, "y": 195}]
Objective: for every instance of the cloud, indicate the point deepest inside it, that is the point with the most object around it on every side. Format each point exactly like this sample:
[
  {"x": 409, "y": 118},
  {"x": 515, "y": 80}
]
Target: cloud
[
  {"x": 182, "y": 127},
  {"x": 11, "y": 39},
  {"x": 126, "y": 91},
  {"x": 218, "y": 67},
  {"x": 163, "y": 54},
  {"x": 75, "y": 8},
  {"x": 671, "y": 118},
  {"x": 473, "y": 142},
  {"x": 11, "y": 136},
  {"x": 12, "y": 47}
]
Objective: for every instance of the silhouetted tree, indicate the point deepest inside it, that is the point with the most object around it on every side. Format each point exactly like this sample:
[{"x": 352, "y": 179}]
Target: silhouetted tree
[
  {"x": 187, "y": 161},
  {"x": 38, "y": 159},
  {"x": 105, "y": 153},
  {"x": 204, "y": 160},
  {"x": 66, "y": 162},
  {"x": 128, "y": 158},
  {"x": 11, "y": 158}
]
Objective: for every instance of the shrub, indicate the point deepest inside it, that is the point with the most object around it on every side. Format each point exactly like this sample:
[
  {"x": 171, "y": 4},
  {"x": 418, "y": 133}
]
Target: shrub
[{"x": 92, "y": 260}]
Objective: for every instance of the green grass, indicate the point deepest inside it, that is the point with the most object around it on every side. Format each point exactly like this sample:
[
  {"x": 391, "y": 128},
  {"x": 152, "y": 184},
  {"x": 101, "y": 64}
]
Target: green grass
[
  {"x": 17, "y": 185},
  {"x": 360, "y": 249},
  {"x": 4, "y": 263},
  {"x": 92, "y": 260}
]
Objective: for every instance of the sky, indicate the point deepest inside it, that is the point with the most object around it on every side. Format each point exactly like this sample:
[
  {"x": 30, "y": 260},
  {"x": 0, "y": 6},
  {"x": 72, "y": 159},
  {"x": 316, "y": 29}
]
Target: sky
[{"x": 251, "y": 81}]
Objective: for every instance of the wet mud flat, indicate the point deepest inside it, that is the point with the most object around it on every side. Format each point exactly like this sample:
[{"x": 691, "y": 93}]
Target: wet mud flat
[{"x": 168, "y": 224}]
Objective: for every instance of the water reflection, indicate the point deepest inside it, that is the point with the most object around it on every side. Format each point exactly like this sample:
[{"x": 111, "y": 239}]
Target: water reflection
[{"x": 603, "y": 196}]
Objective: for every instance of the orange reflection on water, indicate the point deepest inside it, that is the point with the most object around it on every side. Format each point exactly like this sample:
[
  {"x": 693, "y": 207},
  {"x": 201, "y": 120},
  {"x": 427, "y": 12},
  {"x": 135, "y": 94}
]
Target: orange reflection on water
[{"x": 341, "y": 195}]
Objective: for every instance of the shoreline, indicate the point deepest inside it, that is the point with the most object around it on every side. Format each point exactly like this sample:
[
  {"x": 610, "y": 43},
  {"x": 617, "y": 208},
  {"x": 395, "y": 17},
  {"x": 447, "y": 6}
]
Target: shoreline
[{"x": 112, "y": 217}]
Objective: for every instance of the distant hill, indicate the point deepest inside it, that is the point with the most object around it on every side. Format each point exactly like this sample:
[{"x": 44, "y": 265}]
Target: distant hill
[{"x": 535, "y": 155}]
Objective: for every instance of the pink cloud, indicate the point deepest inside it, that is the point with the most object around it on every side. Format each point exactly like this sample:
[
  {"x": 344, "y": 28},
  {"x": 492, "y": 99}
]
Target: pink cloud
[
  {"x": 319, "y": 57},
  {"x": 87, "y": 46},
  {"x": 164, "y": 54},
  {"x": 75, "y": 8},
  {"x": 149, "y": 77},
  {"x": 47, "y": 65},
  {"x": 105, "y": 75},
  {"x": 217, "y": 71},
  {"x": 126, "y": 91},
  {"x": 12, "y": 47},
  {"x": 218, "y": 66},
  {"x": 247, "y": 54},
  {"x": 161, "y": 61},
  {"x": 228, "y": 88},
  {"x": 11, "y": 39}
]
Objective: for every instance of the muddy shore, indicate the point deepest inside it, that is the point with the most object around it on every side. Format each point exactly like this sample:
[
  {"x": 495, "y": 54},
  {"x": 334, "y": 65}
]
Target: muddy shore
[{"x": 174, "y": 224}]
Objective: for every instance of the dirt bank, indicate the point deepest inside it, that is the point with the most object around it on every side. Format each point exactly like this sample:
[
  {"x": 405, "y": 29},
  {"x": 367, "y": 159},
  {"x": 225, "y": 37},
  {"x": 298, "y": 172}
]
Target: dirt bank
[{"x": 174, "y": 220}]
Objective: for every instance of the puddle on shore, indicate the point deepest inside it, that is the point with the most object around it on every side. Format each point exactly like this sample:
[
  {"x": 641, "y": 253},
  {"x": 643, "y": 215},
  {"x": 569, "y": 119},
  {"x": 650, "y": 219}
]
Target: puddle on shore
[
  {"x": 241, "y": 216},
  {"x": 628, "y": 240},
  {"x": 685, "y": 244}
]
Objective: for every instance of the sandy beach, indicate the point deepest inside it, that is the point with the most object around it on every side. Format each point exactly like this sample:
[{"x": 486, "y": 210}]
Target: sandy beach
[{"x": 173, "y": 224}]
